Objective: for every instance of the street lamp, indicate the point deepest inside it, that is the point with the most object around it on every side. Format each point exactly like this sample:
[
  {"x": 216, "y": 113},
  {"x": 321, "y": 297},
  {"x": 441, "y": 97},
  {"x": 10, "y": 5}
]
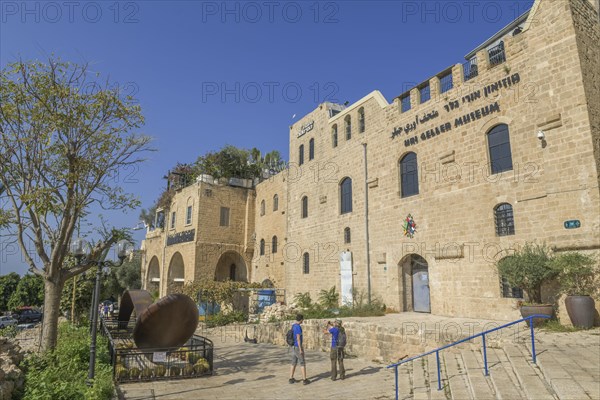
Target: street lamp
[{"x": 81, "y": 250}]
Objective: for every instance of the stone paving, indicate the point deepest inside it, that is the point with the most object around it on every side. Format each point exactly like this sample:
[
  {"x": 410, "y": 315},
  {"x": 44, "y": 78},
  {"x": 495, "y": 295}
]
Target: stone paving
[{"x": 568, "y": 368}]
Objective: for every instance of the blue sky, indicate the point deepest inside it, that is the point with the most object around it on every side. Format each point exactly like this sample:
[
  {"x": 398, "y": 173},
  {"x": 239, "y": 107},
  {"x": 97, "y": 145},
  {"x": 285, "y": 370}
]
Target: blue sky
[{"x": 210, "y": 73}]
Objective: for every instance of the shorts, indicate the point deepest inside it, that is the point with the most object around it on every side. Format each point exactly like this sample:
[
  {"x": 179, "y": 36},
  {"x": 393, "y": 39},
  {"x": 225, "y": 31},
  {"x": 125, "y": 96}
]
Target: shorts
[{"x": 297, "y": 356}]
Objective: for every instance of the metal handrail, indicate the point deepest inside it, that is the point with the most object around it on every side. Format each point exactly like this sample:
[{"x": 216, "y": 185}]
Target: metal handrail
[{"x": 482, "y": 334}]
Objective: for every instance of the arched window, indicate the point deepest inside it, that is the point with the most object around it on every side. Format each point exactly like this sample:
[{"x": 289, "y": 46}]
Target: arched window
[
  {"x": 361, "y": 120},
  {"x": 499, "y": 147},
  {"x": 301, "y": 155},
  {"x": 262, "y": 247},
  {"x": 232, "y": 272},
  {"x": 334, "y": 135},
  {"x": 262, "y": 208},
  {"x": 274, "y": 245},
  {"x": 311, "y": 149},
  {"x": 505, "y": 223},
  {"x": 346, "y": 196},
  {"x": 347, "y": 237},
  {"x": 275, "y": 203},
  {"x": 348, "y": 124},
  {"x": 306, "y": 263},
  {"x": 409, "y": 175},
  {"x": 304, "y": 207}
]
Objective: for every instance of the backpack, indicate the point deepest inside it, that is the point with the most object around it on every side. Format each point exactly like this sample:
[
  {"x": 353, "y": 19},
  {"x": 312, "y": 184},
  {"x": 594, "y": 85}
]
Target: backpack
[
  {"x": 341, "y": 340},
  {"x": 289, "y": 337}
]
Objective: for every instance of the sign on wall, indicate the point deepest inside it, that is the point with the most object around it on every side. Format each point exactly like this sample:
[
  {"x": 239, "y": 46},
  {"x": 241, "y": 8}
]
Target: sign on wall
[{"x": 346, "y": 277}]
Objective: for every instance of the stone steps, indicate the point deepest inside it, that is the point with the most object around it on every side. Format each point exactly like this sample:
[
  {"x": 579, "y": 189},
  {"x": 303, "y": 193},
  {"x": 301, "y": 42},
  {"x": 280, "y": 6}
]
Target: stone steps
[{"x": 512, "y": 376}]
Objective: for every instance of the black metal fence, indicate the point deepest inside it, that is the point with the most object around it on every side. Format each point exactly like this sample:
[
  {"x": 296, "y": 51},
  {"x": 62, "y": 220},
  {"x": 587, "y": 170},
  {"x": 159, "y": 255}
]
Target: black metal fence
[{"x": 130, "y": 364}]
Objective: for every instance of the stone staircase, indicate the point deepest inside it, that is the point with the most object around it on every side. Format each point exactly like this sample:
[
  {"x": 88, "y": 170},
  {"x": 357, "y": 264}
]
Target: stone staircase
[{"x": 512, "y": 375}]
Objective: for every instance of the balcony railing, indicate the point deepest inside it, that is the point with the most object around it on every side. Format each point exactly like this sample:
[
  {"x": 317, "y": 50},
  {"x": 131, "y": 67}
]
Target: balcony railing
[
  {"x": 497, "y": 55},
  {"x": 470, "y": 69}
]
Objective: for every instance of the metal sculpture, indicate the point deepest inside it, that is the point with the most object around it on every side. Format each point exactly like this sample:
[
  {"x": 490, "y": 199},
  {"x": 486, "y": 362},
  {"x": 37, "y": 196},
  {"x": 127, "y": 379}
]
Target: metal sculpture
[{"x": 167, "y": 323}]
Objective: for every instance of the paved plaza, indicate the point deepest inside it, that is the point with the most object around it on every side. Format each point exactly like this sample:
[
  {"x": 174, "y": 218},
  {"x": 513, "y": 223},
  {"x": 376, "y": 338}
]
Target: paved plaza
[{"x": 568, "y": 368}]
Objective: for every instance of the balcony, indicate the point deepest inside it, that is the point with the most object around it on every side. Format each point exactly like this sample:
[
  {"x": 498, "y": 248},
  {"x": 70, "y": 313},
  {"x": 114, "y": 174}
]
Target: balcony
[{"x": 497, "y": 55}]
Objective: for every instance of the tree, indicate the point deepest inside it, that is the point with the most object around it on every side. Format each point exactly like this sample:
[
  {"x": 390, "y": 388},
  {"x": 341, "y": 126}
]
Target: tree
[
  {"x": 8, "y": 284},
  {"x": 125, "y": 277},
  {"x": 29, "y": 292},
  {"x": 65, "y": 136}
]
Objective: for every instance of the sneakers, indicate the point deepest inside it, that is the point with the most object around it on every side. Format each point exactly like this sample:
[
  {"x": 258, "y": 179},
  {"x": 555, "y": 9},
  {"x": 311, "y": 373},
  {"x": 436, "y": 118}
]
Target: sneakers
[
  {"x": 292, "y": 380},
  {"x": 306, "y": 381}
]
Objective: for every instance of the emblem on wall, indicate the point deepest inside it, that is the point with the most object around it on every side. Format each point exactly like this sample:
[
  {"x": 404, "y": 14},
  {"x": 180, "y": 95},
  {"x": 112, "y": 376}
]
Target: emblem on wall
[{"x": 410, "y": 228}]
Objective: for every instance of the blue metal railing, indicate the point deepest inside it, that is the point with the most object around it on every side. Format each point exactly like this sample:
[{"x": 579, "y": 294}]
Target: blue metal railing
[{"x": 482, "y": 334}]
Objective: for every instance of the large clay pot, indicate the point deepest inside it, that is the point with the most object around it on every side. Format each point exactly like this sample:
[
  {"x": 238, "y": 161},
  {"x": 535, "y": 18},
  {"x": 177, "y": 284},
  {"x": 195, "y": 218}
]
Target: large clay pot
[
  {"x": 581, "y": 310},
  {"x": 540, "y": 309}
]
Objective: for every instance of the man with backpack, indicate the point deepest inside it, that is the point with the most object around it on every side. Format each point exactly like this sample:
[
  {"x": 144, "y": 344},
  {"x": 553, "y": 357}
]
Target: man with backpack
[
  {"x": 338, "y": 342},
  {"x": 297, "y": 349}
]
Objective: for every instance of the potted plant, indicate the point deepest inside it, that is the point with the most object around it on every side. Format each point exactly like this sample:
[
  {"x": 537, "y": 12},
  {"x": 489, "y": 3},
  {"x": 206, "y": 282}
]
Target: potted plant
[
  {"x": 529, "y": 268},
  {"x": 578, "y": 276}
]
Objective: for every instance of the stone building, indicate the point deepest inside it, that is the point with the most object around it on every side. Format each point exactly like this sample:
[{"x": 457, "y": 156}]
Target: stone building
[{"x": 415, "y": 201}]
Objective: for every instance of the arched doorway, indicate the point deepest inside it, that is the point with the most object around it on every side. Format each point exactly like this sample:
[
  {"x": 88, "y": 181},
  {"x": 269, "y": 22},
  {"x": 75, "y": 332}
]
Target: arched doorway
[
  {"x": 414, "y": 278},
  {"x": 231, "y": 266},
  {"x": 175, "y": 278},
  {"x": 153, "y": 276}
]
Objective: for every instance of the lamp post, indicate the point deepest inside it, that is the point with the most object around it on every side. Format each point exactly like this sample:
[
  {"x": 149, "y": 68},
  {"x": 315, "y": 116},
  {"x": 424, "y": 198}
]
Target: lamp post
[{"x": 81, "y": 250}]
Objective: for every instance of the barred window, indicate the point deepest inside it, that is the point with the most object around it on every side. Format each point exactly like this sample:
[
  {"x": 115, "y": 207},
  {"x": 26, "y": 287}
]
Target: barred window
[
  {"x": 361, "y": 120},
  {"x": 499, "y": 148},
  {"x": 301, "y": 154},
  {"x": 224, "y": 220},
  {"x": 446, "y": 82},
  {"x": 409, "y": 175},
  {"x": 405, "y": 103},
  {"x": 188, "y": 216},
  {"x": 262, "y": 247},
  {"x": 306, "y": 263},
  {"x": 348, "y": 122},
  {"x": 275, "y": 203},
  {"x": 505, "y": 223},
  {"x": 347, "y": 237},
  {"x": 173, "y": 215},
  {"x": 304, "y": 207},
  {"x": 424, "y": 93},
  {"x": 346, "y": 196},
  {"x": 311, "y": 149},
  {"x": 510, "y": 292},
  {"x": 334, "y": 136},
  {"x": 274, "y": 245}
]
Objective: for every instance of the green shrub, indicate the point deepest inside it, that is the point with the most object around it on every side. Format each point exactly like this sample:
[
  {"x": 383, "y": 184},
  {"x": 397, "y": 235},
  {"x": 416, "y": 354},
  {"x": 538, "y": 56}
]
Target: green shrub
[
  {"x": 221, "y": 319},
  {"x": 578, "y": 274},
  {"x": 174, "y": 371},
  {"x": 188, "y": 370},
  {"x": 303, "y": 300},
  {"x": 329, "y": 298},
  {"x": 62, "y": 373},
  {"x": 146, "y": 373},
  {"x": 160, "y": 370},
  {"x": 9, "y": 331}
]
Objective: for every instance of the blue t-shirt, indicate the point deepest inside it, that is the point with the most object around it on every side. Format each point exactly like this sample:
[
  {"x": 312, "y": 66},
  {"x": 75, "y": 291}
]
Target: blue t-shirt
[
  {"x": 334, "y": 336},
  {"x": 297, "y": 329}
]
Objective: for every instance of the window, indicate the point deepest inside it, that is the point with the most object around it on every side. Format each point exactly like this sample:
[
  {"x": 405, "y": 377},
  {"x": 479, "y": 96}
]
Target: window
[
  {"x": 188, "y": 216},
  {"x": 334, "y": 136},
  {"x": 306, "y": 263},
  {"x": 505, "y": 223},
  {"x": 424, "y": 93},
  {"x": 232, "y": 272},
  {"x": 262, "y": 208},
  {"x": 275, "y": 203},
  {"x": 348, "y": 124},
  {"x": 499, "y": 147},
  {"x": 262, "y": 247},
  {"x": 301, "y": 154},
  {"x": 405, "y": 103},
  {"x": 361, "y": 120},
  {"x": 224, "y": 216},
  {"x": 347, "y": 237},
  {"x": 346, "y": 196},
  {"x": 304, "y": 207},
  {"x": 274, "y": 245},
  {"x": 409, "y": 175},
  {"x": 510, "y": 292},
  {"x": 173, "y": 220},
  {"x": 311, "y": 149},
  {"x": 446, "y": 82}
]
